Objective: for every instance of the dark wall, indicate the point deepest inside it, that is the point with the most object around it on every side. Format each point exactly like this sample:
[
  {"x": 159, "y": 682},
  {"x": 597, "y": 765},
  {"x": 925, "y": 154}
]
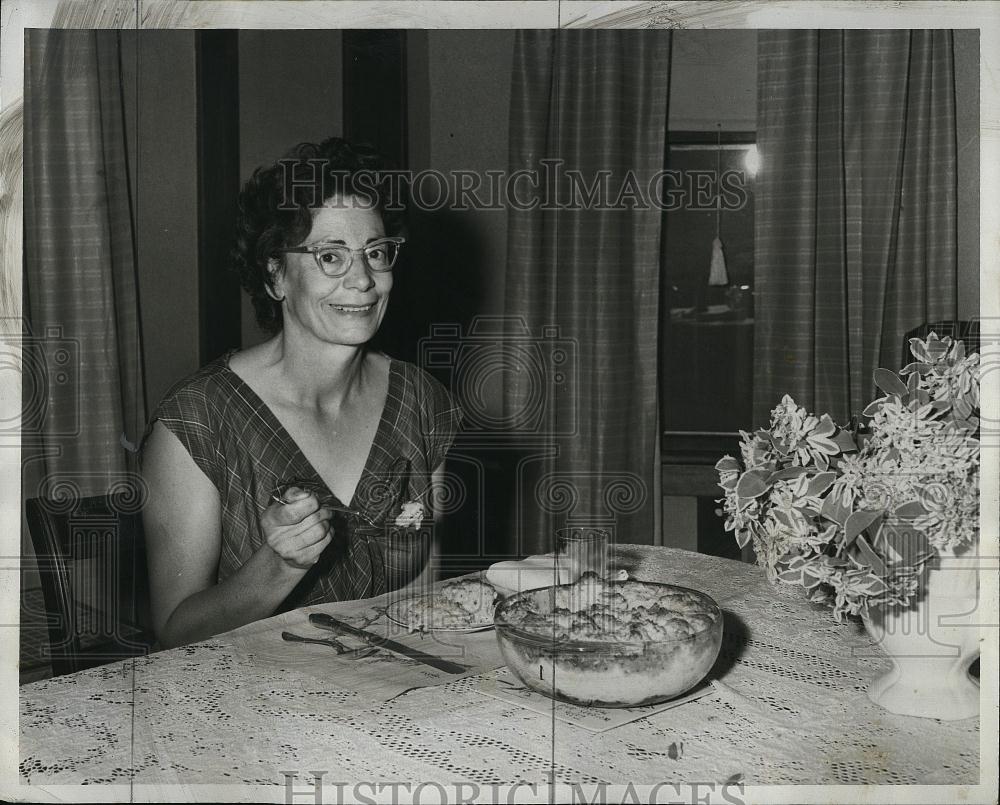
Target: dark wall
[
  {"x": 160, "y": 98},
  {"x": 291, "y": 91},
  {"x": 458, "y": 98},
  {"x": 713, "y": 80}
]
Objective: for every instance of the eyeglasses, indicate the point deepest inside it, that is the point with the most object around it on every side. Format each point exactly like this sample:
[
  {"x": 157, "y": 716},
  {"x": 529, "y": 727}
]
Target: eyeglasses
[{"x": 335, "y": 260}]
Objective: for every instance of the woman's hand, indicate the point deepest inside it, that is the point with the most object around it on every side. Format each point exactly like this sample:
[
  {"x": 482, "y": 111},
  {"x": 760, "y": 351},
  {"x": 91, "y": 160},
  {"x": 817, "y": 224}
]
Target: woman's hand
[
  {"x": 298, "y": 530},
  {"x": 182, "y": 519}
]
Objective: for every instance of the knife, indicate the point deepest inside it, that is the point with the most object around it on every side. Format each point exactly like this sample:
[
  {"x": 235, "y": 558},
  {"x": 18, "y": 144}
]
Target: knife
[{"x": 324, "y": 621}]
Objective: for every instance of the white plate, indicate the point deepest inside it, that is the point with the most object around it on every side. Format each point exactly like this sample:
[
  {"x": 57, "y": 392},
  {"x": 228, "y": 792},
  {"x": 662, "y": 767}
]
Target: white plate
[{"x": 394, "y": 612}]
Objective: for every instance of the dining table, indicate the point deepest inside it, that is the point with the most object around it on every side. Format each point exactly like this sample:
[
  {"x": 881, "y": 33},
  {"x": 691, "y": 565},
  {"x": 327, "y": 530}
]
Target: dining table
[{"x": 784, "y": 704}]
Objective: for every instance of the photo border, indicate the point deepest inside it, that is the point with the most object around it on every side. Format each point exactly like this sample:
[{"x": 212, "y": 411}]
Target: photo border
[{"x": 409, "y": 14}]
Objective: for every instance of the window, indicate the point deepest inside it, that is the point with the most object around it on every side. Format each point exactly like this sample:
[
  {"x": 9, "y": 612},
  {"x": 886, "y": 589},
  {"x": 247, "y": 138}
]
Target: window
[
  {"x": 706, "y": 348},
  {"x": 707, "y": 329}
]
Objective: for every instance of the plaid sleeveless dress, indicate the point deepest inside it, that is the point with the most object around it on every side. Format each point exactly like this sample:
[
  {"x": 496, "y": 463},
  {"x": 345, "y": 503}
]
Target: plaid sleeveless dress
[{"x": 237, "y": 441}]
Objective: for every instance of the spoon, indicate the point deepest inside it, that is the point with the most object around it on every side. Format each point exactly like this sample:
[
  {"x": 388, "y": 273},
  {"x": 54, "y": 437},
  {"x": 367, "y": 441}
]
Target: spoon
[
  {"x": 332, "y": 642},
  {"x": 278, "y": 496}
]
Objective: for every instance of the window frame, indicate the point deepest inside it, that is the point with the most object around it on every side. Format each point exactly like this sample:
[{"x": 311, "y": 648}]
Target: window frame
[{"x": 688, "y": 457}]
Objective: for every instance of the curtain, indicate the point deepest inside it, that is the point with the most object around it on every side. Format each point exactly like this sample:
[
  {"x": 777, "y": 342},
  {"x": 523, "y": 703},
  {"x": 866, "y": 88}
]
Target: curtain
[
  {"x": 84, "y": 398},
  {"x": 582, "y": 285},
  {"x": 11, "y": 229},
  {"x": 856, "y": 208}
]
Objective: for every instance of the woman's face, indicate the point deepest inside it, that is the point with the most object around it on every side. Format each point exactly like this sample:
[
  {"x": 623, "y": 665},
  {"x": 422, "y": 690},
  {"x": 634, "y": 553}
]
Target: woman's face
[{"x": 337, "y": 310}]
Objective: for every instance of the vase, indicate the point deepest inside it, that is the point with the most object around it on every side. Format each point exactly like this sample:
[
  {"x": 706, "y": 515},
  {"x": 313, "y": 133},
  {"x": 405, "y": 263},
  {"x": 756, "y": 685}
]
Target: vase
[{"x": 932, "y": 643}]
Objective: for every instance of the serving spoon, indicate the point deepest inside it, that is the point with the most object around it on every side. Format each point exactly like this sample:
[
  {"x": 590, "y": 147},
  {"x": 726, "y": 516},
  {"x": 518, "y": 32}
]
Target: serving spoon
[{"x": 332, "y": 642}]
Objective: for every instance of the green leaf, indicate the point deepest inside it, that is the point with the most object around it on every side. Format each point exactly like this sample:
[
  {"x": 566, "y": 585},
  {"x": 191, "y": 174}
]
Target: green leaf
[
  {"x": 727, "y": 464},
  {"x": 752, "y": 484},
  {"x": 858, "y": 522},
  {"x": 791, "y": 576},
  {"x": 873, "y": 407},
  {"x": 868, "y": 557},
  {"x": 820, "y": 483},
  {"x": 787, "y": 474},
  {"x": 875, "y": 586},
  {"x": 825, "y": 427},
  {"x": 845, "y": 441},
  {"x": 782, "y": 517},
  {"x": 781, "y": 445},
  {"x": 819, "y": 594},
  {"x": 906, "y": 543},
  {"x": 835, "y": 510},
  {"x": 919, "y": 350},
  {"x": 889, "y": 382},
  {"x": 809, "y": 581},
  {"x": 824, "y": 444},
  {"x": 910, "y": 509},
  {"x": 891, "y": 553}
]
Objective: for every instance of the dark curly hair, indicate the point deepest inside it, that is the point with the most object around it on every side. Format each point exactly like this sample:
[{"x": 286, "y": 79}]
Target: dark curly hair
[{"x": 276, "y": 205}]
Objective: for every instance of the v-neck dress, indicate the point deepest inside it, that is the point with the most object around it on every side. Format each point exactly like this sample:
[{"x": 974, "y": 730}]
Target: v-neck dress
[{"x": 245, "y": 451}]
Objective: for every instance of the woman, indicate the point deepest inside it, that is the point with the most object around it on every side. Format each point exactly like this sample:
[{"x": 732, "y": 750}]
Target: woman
[{"x": 250, "y": 461}]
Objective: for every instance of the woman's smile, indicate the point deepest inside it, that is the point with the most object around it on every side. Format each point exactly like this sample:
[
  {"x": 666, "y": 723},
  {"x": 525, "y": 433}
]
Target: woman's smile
[
  {"x": 353, "y": 310},
  {"x": 345, "y": 309}
]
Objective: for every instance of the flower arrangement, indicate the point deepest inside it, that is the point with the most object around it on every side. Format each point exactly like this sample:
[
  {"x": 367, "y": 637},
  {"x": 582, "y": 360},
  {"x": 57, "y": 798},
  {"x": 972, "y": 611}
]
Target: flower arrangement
[{"x": 856, "y": 523}]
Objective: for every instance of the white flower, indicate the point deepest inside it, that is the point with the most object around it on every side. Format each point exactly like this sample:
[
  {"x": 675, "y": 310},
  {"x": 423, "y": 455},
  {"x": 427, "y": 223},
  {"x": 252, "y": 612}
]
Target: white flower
[
  {"x": 412, "y": 515},
  {"x": 790, "y": 503},
  {"x": 849, "y": 485},
  {"x": 801, "y": 485}
]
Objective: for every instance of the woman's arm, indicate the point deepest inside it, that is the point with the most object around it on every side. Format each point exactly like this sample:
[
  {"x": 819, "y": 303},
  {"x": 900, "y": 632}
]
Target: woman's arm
[{"x": 182, "y": 521}]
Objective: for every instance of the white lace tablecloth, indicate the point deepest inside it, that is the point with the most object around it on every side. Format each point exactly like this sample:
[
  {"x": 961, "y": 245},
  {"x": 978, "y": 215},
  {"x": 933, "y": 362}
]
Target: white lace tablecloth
[{"x": 245, "y": 707}]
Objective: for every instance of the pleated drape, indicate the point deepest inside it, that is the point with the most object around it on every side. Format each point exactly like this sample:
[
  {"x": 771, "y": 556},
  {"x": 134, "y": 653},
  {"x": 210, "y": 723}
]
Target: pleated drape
[
  {"x": 585, "y": 281},
  {"x": 84, "y": 365},
  {"x": 856, "y": 208}
]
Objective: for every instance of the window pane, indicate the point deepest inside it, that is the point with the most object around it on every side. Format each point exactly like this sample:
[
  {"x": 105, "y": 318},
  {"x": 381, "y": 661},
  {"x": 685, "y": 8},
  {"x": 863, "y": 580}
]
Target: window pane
[{"x": 707, "y": 348}]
